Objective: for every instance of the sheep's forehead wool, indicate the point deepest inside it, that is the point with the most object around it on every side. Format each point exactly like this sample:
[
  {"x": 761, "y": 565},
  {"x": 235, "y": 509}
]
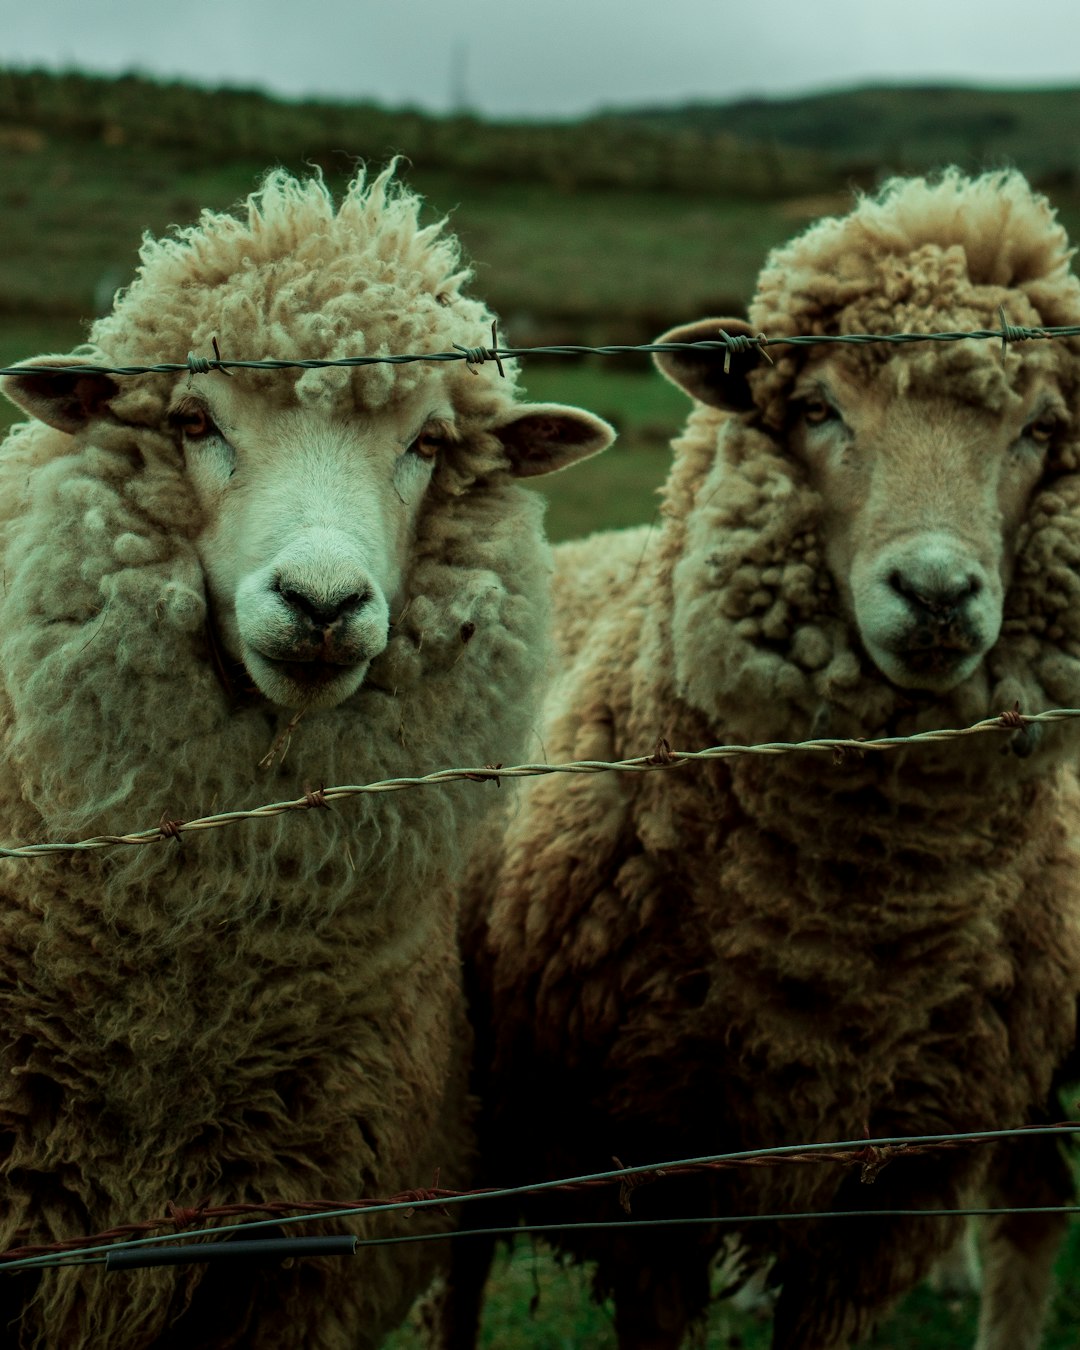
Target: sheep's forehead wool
[
  {"x": 298, "y": 277},
  {"x": 924, "y": 241},
  {"x": 970, "y": 372},
  {"x": 922, "y": 257}
]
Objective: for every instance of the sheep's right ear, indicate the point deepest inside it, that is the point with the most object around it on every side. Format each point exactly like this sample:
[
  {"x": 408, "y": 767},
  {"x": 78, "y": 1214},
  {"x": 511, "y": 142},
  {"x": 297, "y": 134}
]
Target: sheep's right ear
[
  {"x": 701, "y": 374},
  {"x": 65, "y": 399},
  {"x": 544, "y": 437}
]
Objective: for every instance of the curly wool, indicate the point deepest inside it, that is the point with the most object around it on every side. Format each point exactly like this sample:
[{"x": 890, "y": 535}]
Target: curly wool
[
  {"x": 272, "y": 1010},
  {"x": 763, "y": 952}
]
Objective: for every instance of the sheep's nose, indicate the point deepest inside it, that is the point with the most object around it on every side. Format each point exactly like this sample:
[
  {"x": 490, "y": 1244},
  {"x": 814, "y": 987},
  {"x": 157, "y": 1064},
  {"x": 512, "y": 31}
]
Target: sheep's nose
[
  {"x": 937, "y": 597},
  {"x": 322, "y": 611}
]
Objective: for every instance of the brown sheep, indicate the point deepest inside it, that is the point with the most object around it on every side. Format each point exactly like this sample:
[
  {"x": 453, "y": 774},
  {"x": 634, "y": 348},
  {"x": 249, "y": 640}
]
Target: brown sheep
[{"x": 856, "y": 541}]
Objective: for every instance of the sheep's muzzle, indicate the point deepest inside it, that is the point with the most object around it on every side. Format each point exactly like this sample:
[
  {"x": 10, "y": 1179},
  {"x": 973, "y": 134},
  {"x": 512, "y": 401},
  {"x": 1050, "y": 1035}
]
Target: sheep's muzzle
[
  {"x": 927, "y": 611},
  {"x": 305, "y": 643}
]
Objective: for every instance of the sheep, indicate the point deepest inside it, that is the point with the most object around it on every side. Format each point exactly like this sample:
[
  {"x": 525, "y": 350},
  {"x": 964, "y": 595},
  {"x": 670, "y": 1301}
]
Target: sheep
[
  {"x": 856, "y": 541},
  {"x": 198, "y": 568}
]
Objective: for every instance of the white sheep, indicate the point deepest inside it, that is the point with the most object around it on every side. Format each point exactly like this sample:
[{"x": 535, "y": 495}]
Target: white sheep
[
  {"x": 272, "y": 1011},
  {"x": 856, "y": 541}
]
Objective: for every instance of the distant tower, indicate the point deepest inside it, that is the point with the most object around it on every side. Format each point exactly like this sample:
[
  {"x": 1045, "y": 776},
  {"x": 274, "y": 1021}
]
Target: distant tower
[{"x": 460, "y": 104}]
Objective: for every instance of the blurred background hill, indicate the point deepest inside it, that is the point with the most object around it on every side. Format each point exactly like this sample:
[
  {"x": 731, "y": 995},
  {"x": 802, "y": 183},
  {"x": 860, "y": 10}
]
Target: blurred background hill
[
  {"x": 601, "y": 229},
  {"x": 906, "y": 129}
]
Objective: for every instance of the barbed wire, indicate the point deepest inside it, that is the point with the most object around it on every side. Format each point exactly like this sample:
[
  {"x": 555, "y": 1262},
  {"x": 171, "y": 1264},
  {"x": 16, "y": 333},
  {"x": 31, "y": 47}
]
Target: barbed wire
[
  {"x": 871, "y": 1155},
  {"x": 731, "y": 344},
  {"x": 663, "y": 757}
]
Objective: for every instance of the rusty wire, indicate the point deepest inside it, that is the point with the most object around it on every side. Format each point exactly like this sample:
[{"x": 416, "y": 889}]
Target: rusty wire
[
  {"x": 1011, "y": 722},
  {"x": 870, "y": 1155}
]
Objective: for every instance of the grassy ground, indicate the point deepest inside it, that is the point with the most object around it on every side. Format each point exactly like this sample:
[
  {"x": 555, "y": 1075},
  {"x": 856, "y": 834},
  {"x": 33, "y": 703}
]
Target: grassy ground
[
  {"x": 585, "y": 266},
  {"x": 536, "y": 1303},
  {"x": 617, "y": 488}
]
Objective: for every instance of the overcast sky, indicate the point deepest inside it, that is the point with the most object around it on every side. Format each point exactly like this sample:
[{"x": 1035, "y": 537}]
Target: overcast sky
[{"x": 542, "y": 58}]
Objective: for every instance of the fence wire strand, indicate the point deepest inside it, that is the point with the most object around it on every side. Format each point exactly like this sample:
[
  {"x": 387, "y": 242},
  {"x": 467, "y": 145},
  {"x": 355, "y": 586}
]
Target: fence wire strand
[
  {"x": 663, "y": 757},
  {"x": 729, "y": 343},
  {"x": 870, "y": 1154}
]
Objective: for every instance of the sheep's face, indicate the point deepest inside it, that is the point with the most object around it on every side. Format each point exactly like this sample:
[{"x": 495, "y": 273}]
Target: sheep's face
[
  {"x": 922, "y": 493},
  {"x": 309, "y": 523},
  {"x": 308, "y": 519},
  {"x": 923, "y": 497}
]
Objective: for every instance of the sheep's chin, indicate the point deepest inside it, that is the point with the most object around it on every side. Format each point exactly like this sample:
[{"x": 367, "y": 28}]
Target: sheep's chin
[
  {"x": 931, "y": 672},
  {"x": 303, "y": 684}
]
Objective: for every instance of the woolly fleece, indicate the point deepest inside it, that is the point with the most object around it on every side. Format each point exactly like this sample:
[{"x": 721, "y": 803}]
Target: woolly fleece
[
  {"x": 271, "y": 1011},
  {"x": 774, "y": 951}
]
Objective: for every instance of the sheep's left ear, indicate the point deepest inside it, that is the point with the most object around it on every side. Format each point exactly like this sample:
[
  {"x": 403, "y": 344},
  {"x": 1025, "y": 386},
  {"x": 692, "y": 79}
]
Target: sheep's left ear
[
  {"x": 543, "y": 437},
  {"x": 702, "y": 374},
  {"x": 65, "y": 399}
]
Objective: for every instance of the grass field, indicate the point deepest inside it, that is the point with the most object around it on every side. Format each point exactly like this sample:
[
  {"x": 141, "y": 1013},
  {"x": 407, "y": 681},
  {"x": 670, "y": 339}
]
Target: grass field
[
  {"x": 589, "y": 266},
  {"x": 537, "y": 1303}
]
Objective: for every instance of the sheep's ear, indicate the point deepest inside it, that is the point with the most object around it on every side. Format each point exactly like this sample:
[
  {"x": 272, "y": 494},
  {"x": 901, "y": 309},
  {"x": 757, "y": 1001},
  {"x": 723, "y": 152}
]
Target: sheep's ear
[
  {"x": 63, "y": 398},
  {"x": 701, "y": 374},
  {"x": 543, "y": 437}
]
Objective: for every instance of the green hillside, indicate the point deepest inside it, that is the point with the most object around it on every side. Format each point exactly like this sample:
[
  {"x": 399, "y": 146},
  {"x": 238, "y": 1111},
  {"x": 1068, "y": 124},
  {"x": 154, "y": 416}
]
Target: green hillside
[
  {"x": 903, "y": 130},
  {"x": 583, "y": 231},
  {"x": 228, "y": 125},
  {"x": 604, "y": 230}
]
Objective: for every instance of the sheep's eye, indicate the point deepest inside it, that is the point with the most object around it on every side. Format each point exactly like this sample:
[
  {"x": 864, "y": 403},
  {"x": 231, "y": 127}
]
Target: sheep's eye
[
  {"x": 816, "y": 411},
  {"x": 195, "y": 423},
  {"x": 1042, "y": 430},
  {"x": 427, "y": 445}
]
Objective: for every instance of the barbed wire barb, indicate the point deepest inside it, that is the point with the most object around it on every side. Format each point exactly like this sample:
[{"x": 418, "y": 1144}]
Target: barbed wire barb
[
  {"x": 1013, "y": 333},
  {"x": 197, "y": 365},
  {"x": 476, "y": 356},
  {"x": 739, "y": 342}
]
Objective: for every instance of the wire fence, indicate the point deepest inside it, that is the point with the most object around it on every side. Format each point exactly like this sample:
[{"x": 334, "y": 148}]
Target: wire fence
[
  {"x": 136, "y": 1244},
  {"x": 731, "y": 344},
  {"x": 869, "y": 1155},
  {"x": 663, "y": 757}
]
